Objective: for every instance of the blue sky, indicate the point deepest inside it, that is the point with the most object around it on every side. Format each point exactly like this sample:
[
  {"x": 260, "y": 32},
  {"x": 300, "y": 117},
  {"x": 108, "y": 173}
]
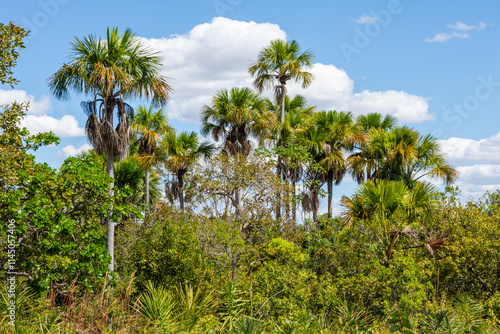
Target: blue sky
[{"x": 433, "y": 64}]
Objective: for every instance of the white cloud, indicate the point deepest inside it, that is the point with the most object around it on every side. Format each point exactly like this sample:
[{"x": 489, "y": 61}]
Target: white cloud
[
  {"x": 455, "y": 34},
  {"x": 216, "y": 55},
  {"x": 37, "y": 107},
  {"x": 67, "y": 126},
  {"x": 462, "y": 150},
  {"x": 71, "y": 151},
  {"x": 464, "y": 27},
  {"x": 365, "y": 18},
  {"x": 477, "y": 179},
  {"x": 210, "y": 57},
  {"x": 333, "y": 89},
  {"x": 444, "y": 36}
]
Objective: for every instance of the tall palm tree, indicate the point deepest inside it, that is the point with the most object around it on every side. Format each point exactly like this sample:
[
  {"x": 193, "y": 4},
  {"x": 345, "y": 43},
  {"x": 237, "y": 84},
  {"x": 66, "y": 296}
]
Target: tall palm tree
[
  {"x": 313, "y": 139},
  {"x": 400, "y": 154},
  {"x": 183, "y": 151},
  {"x": 147, "y": 126},
  {"x": 111, "y": 70},
  {"x": 233, "y": 117},
  {"x": 341, "y": 134},
  {"x": 290, "y": 133},
  {"x": 277, "y": 63}
]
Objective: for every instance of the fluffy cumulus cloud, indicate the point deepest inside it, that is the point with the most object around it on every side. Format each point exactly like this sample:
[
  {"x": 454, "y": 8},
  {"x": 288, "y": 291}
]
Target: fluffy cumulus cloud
[
  {"x": 211, "y": 56},
  {"x": 216, "y": 55},
  {"x": 333, "y": 89},
  {"x": 463, "y": 151},
  {"x": 484, "y": 154},
  {"x": 67, "y": 126},
  {"x": 71, "y": 151},
  {"x": 475, "y": 180},
  {"x": 36, "y": 107},
  {"x": 459, "y": 30}
]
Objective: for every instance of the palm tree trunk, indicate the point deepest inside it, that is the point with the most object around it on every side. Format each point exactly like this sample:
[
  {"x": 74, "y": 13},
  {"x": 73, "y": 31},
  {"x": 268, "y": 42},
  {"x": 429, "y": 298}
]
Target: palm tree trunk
[
  {"x": 181, "y": 192},
  {"x": 282, "y": 102},
  {"x": 330, "y": 193},
  {"x": 110, "y": 234},
  {"x": 278, "y": 202},
  {"x": 146, "y": 186},
  {"x": 278, "y": 168},
  {"x": 294, "y": 204}
]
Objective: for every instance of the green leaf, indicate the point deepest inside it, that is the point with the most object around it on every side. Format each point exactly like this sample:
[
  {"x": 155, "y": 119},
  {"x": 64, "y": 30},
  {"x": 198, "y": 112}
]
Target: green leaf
[{"x": 394, "y": 328}]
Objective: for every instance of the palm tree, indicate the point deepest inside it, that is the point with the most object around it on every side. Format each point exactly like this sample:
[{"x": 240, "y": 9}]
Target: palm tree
[
  {"x": 148, "y": 125},
  {"x": 313, "y": 139},
  {"x": 388, "y": 207},
  {"x": 290, "y": 134},
  {"x": 233, "y": 116},
  {"x": 279, "y": 62},
  {"x": 376, "y": 121},
  {"x": 111, "y": 70},
  {"x": 400, "y": 154},
  {"x": 183, "y": 151},
  {"x": 276, "y": 64},
  {"x": 341, "y": 134}
]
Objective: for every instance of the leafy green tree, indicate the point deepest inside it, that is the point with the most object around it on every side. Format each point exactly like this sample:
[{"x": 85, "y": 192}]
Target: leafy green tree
[
  {"x": 147, "y": 127},
  {"x": 212, "y": 188},
  {"x": 111, "y": 70},
  {"x": 11, "y": 40},
  {"x": 55, "y": 216}
]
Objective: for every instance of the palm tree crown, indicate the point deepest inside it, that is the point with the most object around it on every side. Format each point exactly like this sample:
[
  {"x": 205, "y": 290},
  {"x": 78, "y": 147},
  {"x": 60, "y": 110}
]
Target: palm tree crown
[
  {"x": 147, "y": 126},
  {"x": 279, "y": 62},
  {"x": 111, "y": 70},
  {"x": 235, "y": 115},
  {"x": 400, "y": 154}
]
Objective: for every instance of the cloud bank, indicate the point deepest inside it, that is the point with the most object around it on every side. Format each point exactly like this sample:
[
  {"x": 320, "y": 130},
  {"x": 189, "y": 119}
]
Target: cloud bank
[{"x": 216, "y": 55}]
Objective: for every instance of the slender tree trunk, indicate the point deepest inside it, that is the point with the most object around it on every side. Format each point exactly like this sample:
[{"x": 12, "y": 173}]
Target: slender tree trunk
[
  {"x": 110, "y": 234},
  {"x": 278, "y": 202},
  {"x": 278, "y": 168},
  {"x": 146, "y": 186},
  {"x": 330, "y": 193},
  {"x": 282, "y": 102},
  {"x": 181, "y": 192},
  {"x": 237, "y": 212},
  {"x": 294, "y": 204}
]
